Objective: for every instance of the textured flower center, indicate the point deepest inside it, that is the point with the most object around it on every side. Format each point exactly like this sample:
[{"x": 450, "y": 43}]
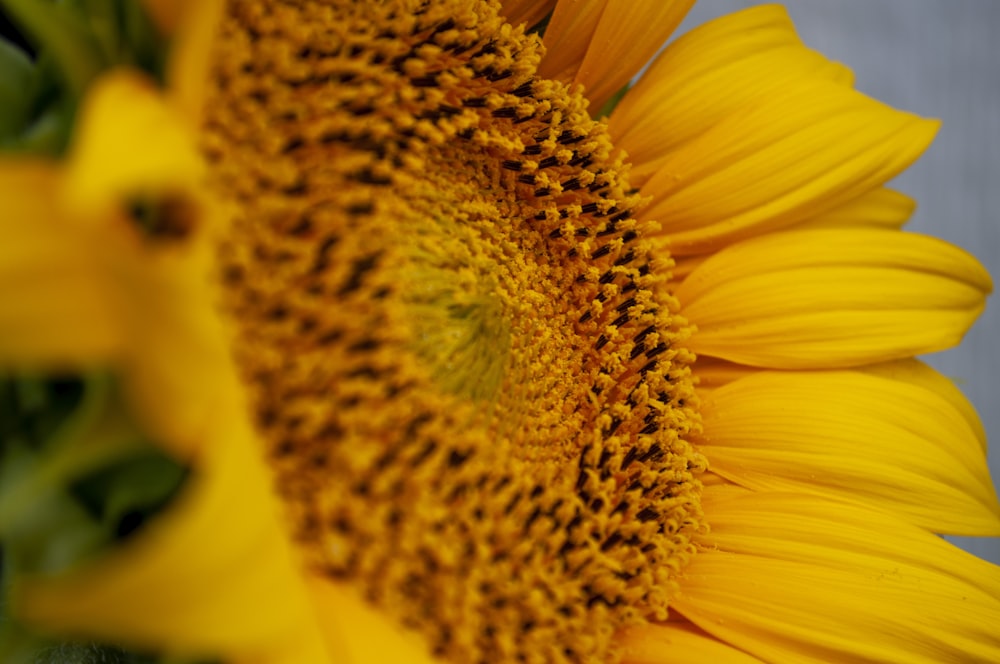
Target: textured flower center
[{"x": 461, "y": 356}]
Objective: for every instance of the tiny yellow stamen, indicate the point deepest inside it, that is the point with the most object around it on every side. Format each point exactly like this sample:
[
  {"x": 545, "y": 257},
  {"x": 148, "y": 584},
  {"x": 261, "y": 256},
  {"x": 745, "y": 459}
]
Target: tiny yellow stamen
[{"x": 475, "y": 392}]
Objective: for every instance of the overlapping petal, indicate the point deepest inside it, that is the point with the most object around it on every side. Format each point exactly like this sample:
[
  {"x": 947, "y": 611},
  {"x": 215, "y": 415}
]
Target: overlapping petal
[
  {"x": 832, "y": 298},
  {"x": 854, "y": 436},
  {"x": 678, "y": 642},
  {"x": 603, "y": 44},
  {"x": 718, "y": 69},
  {"x": 919, "y": 374},
  {"x": 878, "y": 208},
  {"x": 798, "y": 153},
  {"x": 796, "y": 578}
]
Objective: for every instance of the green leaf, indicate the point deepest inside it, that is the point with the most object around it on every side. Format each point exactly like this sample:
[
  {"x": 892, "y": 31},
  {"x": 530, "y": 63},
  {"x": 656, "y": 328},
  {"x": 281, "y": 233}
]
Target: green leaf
[
  {"x": 16, "y": 85},
  {"x": 61, "y": 32}
]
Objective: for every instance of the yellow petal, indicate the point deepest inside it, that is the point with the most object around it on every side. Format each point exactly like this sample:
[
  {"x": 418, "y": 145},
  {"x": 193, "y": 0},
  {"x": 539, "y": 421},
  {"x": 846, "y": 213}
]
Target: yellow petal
[
  {"x": 364, "y": 635},
  {"x": 685, "y": 265},
  {"x": 79, "y": 291},
  {"x": 677, "y": 643},
  {"x": 712, "y": 372},
  {"x": 796, "y": 154},
  {"x": 887, "y": 444},
  {"x": 798, "y": 579},
  {"x": 832, "y": 298},
  {"x": 813, "y": 529},
  {"x": 917, "y": 373},
  {"x": 602, "y": 44},
  {"x": 567, "y": 36},
  {"x": 191, "y": 26},
  {"x": 718, "y": 69},
  {"x": 528, "y": 12},
  {"x": 881, "y": 208},
  {"x": 212, "y": 576},
  {"x": 177, "y": 351},
  {"x": 629, "y": 33},
  {"x": 128, "y": 142},
  {"x": 57, "y": 307},
  {"x": 190, "y": 57}
]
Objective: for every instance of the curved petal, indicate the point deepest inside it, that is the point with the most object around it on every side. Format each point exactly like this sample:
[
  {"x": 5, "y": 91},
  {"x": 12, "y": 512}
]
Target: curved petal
[
  {"x": 832, "y": 298},
  {"x": 879, "y": 208},
  {"x": 917, "y": 373},
  {"x": 711, "y": 372},
  {"x": 853, "y": 436},
  {"x": 602, "y": 45},
  {"x": 718, "y": 69},
  {"x": 889, "y": 592},
  {"x": 677, "y": 643},
  {"x": 567, "y": 36},
  {"x": 214, "y": 575},
  {"x": 629, "y": 33},
  {"x": 122, "y": 111},
  {"x": 813, "y": 529},
  {"x": 190, "y": 57},
  {"x": 796, "y": 154}
]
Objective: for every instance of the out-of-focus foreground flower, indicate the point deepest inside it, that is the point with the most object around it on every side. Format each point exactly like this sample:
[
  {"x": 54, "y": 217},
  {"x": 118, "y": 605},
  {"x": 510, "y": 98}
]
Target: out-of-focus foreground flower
[{"x": 408, "y": 331}]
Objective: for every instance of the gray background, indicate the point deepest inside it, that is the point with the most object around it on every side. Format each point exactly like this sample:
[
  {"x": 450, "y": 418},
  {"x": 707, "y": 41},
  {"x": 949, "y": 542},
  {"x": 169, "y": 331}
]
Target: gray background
[{"x": 937, "y": 58}]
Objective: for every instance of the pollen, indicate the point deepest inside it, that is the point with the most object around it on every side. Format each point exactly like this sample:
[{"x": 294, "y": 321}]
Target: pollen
[{"x": 466, "y": 367}]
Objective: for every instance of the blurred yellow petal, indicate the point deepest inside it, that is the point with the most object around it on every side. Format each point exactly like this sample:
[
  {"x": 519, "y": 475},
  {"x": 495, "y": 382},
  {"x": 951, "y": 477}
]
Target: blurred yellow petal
[
  {"x": 363, "y": 634},
  {"x": 178, "y": 351},
  {"x": 129, "y": 141},
  {"x": 718, "y": 69},
  {"x": 879, "y": 208},
  {"x": 190, "y": 57},
  {"x": 214, "y": 574},
  {"x": 795, "y": 154},
  {"x": 57, "y": 308},
  {"x": 832, "y": 298},
  {"x": 853, "y": 436},
  {"x": 792, "y": 578},
  {"x": 190, "y": 25},
  {"x": 77, "y": 292},
  {"x": 677, "y": 643}
]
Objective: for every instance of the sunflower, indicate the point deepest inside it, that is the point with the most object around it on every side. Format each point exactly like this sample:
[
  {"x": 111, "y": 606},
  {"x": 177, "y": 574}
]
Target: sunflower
[{"x": 458, "y": 346}]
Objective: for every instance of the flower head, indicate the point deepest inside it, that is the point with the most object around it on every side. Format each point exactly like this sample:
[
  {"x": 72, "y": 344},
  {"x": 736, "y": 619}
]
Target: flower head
[{"x": 461, "y": 372}]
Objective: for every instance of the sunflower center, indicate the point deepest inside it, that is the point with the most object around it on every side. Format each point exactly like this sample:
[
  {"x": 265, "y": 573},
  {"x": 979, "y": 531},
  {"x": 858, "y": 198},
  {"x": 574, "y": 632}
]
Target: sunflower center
[
  {"x": 463, "y": 360},
  {"x": 459, "y": 318}
]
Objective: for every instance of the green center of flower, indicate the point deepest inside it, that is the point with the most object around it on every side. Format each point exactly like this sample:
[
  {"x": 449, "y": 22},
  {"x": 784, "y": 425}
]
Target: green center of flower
[
  {"x": 460, "y": 323},
  {"x": 466, "y": 366}
]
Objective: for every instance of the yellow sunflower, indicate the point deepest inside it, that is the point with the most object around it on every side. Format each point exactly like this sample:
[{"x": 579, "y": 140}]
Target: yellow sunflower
[{"x": 463, "y": 371}]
